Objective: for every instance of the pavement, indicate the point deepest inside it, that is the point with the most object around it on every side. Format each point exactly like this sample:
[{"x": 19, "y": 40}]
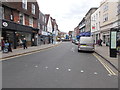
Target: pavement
[
  {"x": 59, "y": 67},
  {"x": 103, "y": 51},
  {"x": 21, "y": 51}
]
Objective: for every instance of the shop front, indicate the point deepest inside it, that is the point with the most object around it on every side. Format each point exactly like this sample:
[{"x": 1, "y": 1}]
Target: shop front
[
  {"x": 15, "y": 33},
  {"x": 43, "y": 38}
]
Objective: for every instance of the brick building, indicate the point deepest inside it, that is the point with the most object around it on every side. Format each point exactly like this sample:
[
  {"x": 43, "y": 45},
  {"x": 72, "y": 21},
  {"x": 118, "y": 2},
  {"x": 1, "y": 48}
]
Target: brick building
[{"x": 20, "y": 20}]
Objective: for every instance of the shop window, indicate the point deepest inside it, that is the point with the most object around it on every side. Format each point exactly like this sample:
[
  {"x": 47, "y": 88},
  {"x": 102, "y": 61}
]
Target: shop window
[{"x": 33, "y": 9}]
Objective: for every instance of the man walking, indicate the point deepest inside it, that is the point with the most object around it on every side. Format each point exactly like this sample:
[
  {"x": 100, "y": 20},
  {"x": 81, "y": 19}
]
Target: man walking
[
  {"x": 100, "y": 42},
  {"x": 24, "y": 43}
]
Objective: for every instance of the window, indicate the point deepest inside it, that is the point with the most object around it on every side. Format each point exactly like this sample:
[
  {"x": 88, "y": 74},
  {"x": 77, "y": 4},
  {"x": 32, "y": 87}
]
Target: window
[
  {"x": 105, "y": 7},
  {"x": 43, "y": 18},
  {"x": 24, "y": 4},
  {"x": 119, "y": 9},
  {"x": 38, "y": 25},
  {"x": 11, "y": 16},
  {"x": 96, "y": 16},
  {"x": 33, "y": 9},
  {"x": 105, "y": 17},
  {"x": 21, "y": 18},
  {"x": 43, "y": 27},
  {"x": 31, "y": 22},
  {"x": 2, "y": 13}
]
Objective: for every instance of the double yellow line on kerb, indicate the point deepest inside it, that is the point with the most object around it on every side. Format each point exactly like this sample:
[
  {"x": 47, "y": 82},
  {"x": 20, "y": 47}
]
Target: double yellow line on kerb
[{"x": 111, "y": 72}]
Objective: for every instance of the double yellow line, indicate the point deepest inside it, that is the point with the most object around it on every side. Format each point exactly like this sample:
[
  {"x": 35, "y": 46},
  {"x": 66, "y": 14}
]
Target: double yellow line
[{"x": 111, "y": 72}]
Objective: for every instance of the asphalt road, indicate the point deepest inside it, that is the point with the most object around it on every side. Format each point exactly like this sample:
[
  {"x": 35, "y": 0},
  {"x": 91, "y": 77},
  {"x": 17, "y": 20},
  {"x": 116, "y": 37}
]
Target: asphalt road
[{"x": 58, "y": 67}]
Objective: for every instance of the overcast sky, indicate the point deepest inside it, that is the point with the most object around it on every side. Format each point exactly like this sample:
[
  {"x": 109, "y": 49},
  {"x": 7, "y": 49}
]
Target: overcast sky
[{"x": 68, "y": 13}]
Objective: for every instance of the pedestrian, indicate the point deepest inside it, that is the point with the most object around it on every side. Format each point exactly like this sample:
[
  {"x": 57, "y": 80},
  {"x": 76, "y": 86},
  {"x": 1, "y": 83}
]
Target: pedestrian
[
  {"x": 9, "y": 47},
  {"x": 100, "y": 42},
  {"x": 24, "y": 43},
  {"x": 52, "y": 40},
  {"x": 3, "y": 44}
]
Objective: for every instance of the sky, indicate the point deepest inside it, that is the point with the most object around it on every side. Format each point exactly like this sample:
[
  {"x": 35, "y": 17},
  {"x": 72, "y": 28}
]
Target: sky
[{"x": 68, "y": 13}]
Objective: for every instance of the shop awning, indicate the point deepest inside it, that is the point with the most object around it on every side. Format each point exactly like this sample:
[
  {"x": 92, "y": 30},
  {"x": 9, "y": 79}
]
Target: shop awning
[{"x": 85, "y": 34}]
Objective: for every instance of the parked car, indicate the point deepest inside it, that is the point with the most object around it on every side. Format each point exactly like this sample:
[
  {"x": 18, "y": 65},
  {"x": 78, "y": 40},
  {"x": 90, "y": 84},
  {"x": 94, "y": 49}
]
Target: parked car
[
  {"x": 86, "y": 44},
  {"x": 73, "y": 40},
  {"x": 76, "y": 42}
]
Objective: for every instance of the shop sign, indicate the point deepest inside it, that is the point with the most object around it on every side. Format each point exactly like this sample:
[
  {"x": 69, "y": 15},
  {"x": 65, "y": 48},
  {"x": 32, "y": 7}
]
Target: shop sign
[
  {"x": 44, "y": 33},
  {"x": 5, "y": 24},
  {"x": 113, "y": 40}
]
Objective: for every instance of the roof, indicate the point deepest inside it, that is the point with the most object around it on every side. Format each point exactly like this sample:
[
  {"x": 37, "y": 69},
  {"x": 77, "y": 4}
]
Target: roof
[
  {"x": 91, "y": 10},
  {"x": 47, "y": 18}
]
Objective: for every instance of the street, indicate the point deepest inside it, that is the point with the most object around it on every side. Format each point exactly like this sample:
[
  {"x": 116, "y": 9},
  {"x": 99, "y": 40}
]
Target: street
[{"x": 58, "y": 67}]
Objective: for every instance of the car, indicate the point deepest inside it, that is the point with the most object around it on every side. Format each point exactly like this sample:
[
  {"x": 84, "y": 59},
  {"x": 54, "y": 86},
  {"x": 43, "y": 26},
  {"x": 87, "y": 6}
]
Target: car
[
  {"x": 76, "y": 42},
  {"x": 73, "y": 40},
  {"x": 86, "y": 44}
]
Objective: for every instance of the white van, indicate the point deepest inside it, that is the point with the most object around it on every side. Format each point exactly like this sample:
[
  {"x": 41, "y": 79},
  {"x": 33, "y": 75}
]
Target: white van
[{"x": 86, "y": 44}]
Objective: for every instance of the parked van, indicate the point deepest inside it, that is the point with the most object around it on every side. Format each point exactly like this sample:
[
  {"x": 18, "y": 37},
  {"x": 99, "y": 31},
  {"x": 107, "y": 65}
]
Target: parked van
[{"x": 86, "y": 44}]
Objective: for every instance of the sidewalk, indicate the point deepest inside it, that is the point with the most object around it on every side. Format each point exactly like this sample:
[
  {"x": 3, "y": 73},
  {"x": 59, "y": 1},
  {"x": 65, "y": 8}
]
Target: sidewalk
[
  {"x": 21, "y": 51},
  {"x": 103, "y": 51}
]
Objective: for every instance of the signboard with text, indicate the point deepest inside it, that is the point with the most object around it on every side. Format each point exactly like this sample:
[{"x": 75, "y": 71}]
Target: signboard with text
[{"x": 113, "y": 42}]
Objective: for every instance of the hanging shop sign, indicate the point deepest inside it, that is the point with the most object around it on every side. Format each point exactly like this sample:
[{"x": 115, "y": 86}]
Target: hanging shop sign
[{"x": 5, "y": 24}]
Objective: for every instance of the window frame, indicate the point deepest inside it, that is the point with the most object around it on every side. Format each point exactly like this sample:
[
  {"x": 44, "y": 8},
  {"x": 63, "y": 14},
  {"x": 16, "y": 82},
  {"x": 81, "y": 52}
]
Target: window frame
[
  {"x": 24, "y": 4},
  {"x": 33, "y": 9},
  {"x": 31, "y": 21}
]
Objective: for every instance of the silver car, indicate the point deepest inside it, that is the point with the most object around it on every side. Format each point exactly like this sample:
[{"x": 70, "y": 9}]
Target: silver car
[{"x": 86, "y": 44}]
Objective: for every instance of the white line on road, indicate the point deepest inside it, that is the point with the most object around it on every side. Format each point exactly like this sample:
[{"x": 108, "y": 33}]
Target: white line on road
[
  {"x": 69, "y": 70},
  {"x": 57, "y": 68},
  {"x": 82, "y": 71}
]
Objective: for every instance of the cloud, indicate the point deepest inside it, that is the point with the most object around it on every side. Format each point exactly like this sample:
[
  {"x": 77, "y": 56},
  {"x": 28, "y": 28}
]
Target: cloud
[{"x": 68, "y": 13}]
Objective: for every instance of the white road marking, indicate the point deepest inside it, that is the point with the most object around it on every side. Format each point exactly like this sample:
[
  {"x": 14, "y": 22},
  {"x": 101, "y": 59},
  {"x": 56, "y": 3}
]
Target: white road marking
[
  {"x": 73, "y": 49},
  {"x": 57, "y": 68},
  {"x": 95, "y": 73},
  {"x": 109, "y": 75},
  {"x": 36, "y": 66},
  {"x": 69, "y": 70},
  {"x": 46, "y": 67},
  {"x": 82, "y": 71}
]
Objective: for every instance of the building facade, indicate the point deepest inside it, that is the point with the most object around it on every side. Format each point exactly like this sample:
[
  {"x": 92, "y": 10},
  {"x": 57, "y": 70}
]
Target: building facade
[
  {"x": 108, "y": 19},
  {"x": 49, "y": 27},
  {"x": 95, "y": 25},
  {"x": 76, "y": 32},
  {"x": 88, "y": 19},
  {"x": 20, "y": 20},
  {"x": 55, "y": 30},
  {"x": 82, "y": 25},
  {"x": 42, "y": 34}
]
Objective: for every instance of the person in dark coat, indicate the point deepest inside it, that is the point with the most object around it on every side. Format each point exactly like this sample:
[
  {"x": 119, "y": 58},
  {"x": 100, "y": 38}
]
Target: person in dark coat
[
  {"x": 3, "y": 44},
  {"x": 9, "y": 47},
  {"x": 100, "y": 42},
  {"x": 24, "y": 43},
  {"x": 52, "y": 40}
]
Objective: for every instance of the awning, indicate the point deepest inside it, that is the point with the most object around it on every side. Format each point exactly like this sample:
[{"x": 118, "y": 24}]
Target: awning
[{"x": 85, "y": 34}]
